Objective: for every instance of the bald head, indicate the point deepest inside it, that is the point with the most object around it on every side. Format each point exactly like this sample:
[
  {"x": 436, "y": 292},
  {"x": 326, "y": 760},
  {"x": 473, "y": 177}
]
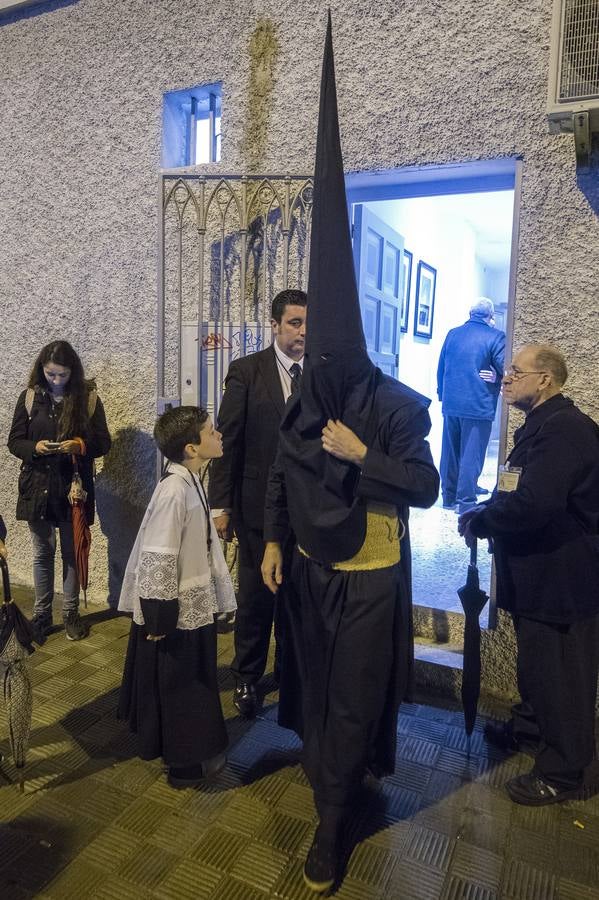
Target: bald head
[
  {"x": 549, "y": 359},
  {"x": 537, "y": 373}
]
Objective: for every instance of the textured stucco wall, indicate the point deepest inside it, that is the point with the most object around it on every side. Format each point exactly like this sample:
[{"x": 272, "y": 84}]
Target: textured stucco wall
[{"x": 420, "y": 82}]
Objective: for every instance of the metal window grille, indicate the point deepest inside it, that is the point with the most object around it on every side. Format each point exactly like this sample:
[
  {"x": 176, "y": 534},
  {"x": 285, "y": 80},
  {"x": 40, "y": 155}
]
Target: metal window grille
[{"x": 227, "y": 246}]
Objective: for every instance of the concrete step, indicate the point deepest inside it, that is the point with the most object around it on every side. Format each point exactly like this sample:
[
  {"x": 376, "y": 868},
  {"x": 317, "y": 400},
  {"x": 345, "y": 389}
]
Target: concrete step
[
  {"x": 438, "y": 667},
  {"x": 441, "y": 626},
  {"x": 449, "y": 655}
]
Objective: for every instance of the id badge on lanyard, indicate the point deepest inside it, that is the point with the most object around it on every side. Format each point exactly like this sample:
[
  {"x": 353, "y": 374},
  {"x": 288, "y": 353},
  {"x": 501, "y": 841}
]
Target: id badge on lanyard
[{"x": 508, "y": 478}]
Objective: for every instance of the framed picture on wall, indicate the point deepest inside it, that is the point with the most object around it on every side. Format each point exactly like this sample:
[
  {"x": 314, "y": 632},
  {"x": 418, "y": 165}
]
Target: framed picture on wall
[
  {"x": 426, "y": 282},
  {"x": 407, "y": 284}
]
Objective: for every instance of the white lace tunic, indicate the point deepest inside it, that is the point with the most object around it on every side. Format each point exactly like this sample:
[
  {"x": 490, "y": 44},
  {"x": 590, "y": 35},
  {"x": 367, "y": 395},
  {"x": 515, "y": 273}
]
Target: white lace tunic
[{"x": 170, "y": 557}]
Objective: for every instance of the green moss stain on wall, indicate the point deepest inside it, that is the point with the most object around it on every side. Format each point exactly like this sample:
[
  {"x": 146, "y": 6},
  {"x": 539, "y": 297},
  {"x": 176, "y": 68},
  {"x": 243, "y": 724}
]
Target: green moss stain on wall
[{"x": 264, "y": 53}]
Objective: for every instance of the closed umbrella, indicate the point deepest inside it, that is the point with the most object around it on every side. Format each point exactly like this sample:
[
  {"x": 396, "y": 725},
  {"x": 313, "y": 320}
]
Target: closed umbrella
[
  {"x": 16, "y": 637},
  {"x": 82, "y": 536},
  {"x": 473, "y": 600}
]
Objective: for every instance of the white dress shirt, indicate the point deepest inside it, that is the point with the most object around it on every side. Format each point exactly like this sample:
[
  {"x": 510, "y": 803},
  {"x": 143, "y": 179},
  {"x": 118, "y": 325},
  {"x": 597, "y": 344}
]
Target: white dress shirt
[{"x": 284, "y": 364}]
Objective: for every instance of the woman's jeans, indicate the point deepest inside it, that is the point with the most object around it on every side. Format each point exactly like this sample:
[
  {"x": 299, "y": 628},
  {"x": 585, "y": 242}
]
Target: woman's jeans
[{"x": 43, "y": 535}]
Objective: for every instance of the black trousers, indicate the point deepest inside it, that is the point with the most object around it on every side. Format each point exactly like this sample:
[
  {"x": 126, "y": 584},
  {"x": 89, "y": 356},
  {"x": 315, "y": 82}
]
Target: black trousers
[
  {"x": 256, "y": 611},
  {"x": 558, "y": 666},
  {"x": 351, "y": 633}
]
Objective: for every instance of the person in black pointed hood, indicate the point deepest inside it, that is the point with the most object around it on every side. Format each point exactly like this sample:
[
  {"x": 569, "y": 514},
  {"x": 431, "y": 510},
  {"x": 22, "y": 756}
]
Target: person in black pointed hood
[{"x": 352, "y": 458}]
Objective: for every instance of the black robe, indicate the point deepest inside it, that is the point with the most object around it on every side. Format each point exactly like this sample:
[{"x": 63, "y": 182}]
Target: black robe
[{"x": 354, "y": 629}]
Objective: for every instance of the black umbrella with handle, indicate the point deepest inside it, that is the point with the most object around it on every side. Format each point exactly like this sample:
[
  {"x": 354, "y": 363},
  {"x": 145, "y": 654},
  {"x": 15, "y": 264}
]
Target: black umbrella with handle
[
  {"x": 473, "y": 600},
  {"x": 16, "y": 643}
]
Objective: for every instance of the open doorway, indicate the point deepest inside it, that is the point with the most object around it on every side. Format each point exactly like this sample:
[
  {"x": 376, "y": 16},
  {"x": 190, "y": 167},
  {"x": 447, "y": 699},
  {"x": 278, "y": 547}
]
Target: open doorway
[{"x": 425, "y": 250}]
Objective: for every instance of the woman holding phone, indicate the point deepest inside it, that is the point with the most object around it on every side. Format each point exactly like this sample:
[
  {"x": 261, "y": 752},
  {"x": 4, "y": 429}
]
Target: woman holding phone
[{"x": 58, "y": 419}]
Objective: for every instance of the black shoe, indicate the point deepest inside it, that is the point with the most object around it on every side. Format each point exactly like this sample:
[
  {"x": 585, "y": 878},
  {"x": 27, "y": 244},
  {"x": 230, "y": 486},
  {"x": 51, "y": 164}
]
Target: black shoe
[
  {"x": 481, "y": 491},
  {"x": 75, "y": 627},
  {"x": 501, "y": 735},
  {"x": 532, "y": 790},
  {"x": 192, "y": 776},
  {"x": 320, "y": 868},
  {"x": 245, "y": 700},
  {"x": 450, "y": 505},
  {"x": 42, "y": 627}
]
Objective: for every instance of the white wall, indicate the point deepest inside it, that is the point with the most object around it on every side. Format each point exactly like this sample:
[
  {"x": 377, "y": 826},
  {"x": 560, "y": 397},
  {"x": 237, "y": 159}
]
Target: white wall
[{"x": 439, "y": 232}]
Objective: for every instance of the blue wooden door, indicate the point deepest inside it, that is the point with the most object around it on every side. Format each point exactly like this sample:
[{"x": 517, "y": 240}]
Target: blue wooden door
[{"x": 378, "y": 257}]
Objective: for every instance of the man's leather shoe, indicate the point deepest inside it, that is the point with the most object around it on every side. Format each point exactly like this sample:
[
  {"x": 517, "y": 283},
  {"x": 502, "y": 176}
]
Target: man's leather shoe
[
  {"x": 245, "y": 700},
  {"x": 481, "y": 491},
  {"x": 501, "y": 735},
  {"x": 532, "y": 790}
]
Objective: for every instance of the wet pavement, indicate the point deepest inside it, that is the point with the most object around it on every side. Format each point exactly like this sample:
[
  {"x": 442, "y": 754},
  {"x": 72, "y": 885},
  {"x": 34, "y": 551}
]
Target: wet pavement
[{"x": 94, "y": 821}]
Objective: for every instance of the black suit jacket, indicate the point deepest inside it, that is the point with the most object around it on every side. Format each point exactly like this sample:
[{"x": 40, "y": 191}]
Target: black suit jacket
[
  {"x": 249, "y": 419},
  {"x": 545, "y": 533}
]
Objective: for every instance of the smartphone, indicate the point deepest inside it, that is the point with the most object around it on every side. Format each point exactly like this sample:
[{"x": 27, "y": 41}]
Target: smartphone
[{"x": 53, "y": 445}]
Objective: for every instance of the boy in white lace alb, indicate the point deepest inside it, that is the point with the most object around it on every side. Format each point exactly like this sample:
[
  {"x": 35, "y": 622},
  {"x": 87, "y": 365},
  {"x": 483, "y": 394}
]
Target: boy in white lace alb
[{"x": 175, "y": 582}]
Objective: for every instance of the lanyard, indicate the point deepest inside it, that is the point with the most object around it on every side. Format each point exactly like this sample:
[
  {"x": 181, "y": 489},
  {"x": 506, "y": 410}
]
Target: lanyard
[{"x": 204, "y": 501}]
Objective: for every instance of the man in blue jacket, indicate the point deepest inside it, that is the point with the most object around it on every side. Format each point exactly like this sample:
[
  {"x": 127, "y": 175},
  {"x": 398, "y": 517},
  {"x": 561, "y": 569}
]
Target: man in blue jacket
[
  {"x": 543, "y": 519},
  {"x": 468, "y": 381}
]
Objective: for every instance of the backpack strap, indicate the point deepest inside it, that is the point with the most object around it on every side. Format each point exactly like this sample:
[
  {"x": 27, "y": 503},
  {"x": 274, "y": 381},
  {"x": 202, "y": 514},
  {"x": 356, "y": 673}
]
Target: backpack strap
[
  {"x": 92, "y": 400},
  {"x": 29, "y": 397}
]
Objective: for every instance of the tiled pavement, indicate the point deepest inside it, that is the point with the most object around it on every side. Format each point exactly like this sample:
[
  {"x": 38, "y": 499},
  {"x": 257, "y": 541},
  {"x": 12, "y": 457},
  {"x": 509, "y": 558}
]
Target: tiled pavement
[{"x": 96, "y": 822}]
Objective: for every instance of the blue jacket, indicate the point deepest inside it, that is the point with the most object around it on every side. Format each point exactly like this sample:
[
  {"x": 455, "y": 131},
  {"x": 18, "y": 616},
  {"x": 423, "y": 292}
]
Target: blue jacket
[{"x": 466, "y": 350}]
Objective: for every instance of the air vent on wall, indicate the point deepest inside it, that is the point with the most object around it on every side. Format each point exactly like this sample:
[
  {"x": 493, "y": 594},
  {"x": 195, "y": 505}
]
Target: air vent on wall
[{"x": 573, "y": 100}]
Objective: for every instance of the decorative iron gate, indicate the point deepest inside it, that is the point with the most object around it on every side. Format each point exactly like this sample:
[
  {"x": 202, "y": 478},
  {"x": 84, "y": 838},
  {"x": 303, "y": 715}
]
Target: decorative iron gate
[{"x": 227, "y": 246}]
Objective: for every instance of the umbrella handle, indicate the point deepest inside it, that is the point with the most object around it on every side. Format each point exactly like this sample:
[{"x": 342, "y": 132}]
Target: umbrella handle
[
  {"x": 473, "y": 552},
  {"x": 5, "y": 580}
]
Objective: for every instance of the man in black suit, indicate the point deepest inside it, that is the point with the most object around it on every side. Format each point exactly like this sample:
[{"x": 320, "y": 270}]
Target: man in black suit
[
  {"x": 543, "y": 518},
  {"x": 256, "y": 390}
]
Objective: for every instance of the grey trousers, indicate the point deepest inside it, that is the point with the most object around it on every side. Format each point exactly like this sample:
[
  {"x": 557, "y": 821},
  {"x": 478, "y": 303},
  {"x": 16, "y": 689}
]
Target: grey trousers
[{"x": 43, "y": 536}]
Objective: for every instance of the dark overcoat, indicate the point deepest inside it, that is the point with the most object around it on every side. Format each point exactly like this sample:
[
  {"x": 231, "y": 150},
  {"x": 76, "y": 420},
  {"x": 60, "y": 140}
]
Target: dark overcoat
[
  {"x": 44, "y": 481},
  {"x": 545, "y": 533},
  {"x": 398, "y": 470},
  {"x": 249, "y": 418}
]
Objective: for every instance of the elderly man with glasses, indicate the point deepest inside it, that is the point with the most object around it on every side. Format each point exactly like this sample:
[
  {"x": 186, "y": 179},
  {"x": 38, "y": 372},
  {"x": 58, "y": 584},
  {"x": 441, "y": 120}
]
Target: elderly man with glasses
[{"x": 543, "y": 521}]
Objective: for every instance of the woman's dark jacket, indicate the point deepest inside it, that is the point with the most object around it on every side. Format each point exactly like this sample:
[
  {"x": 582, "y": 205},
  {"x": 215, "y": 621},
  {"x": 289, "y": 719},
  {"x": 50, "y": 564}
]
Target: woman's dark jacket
[
  {"x": 44, "y": 481},
  {"x": 545, "y": 533}
]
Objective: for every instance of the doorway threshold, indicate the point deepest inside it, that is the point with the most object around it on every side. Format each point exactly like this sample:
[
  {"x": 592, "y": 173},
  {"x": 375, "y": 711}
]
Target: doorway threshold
[
  {"x": 440, "y": 626},
  {"x": 449, "y": 655},
  {"x": 438, "y": 667}
]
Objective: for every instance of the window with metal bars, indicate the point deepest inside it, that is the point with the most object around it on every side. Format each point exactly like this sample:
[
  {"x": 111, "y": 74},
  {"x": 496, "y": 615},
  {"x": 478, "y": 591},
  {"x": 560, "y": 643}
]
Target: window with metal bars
[{"x": 191, "y": 126}]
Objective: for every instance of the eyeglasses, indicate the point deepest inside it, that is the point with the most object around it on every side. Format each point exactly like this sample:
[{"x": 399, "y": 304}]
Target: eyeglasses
[{"x": 515, "y": 374}]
